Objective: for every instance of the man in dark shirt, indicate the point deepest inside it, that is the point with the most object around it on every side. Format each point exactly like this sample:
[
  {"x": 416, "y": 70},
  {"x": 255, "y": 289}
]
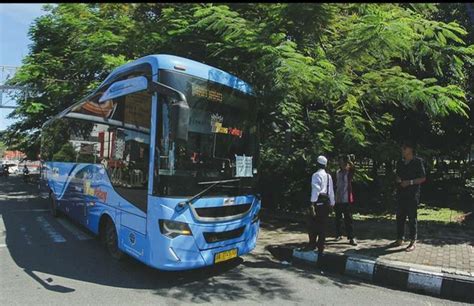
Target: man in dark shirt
[{"x": 410, "y": 175}]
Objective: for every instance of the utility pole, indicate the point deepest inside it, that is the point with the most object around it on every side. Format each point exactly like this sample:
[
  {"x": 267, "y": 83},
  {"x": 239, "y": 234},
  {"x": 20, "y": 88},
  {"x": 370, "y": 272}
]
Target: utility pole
[{"x": 6, "y": 73}]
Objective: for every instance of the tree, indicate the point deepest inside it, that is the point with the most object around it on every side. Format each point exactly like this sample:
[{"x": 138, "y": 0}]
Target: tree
[
  {"x": 3, "y": 148},
  {"x": 74, "y": 47},
  {"x": 345, "y": 77},
  {"x": 65, "y": 154}
]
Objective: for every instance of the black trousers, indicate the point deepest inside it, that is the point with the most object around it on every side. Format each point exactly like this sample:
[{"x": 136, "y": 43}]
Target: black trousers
[
  {"x": 407, "y": 207},
  {"x": 346, "y": 210},
  {"x": 317, "y": 227}
]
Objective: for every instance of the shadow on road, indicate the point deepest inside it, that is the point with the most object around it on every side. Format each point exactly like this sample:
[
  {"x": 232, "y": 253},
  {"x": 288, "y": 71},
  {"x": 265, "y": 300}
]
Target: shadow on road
[
  {"x": 55, "y": 288},
  {"x": 86, "y": 260}
]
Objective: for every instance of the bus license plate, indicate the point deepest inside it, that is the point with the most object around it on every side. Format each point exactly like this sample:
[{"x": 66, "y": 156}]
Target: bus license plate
[{"x": 226, "y": 255}]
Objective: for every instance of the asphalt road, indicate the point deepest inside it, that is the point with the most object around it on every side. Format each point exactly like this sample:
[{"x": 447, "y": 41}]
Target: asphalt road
[{"x": 52, "y": 261}]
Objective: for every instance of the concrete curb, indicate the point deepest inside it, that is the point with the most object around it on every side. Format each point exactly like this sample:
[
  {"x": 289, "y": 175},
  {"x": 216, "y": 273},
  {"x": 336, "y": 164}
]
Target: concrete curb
[{"x": 417, "y": 278}]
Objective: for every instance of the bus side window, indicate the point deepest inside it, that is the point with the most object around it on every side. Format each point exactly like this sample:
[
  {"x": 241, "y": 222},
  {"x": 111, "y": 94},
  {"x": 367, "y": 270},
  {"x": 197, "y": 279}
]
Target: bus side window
[
  {"x": 165, "y": 153},
  {"x": 55, "y": 142},
  {"x": 123, "y": 148}
]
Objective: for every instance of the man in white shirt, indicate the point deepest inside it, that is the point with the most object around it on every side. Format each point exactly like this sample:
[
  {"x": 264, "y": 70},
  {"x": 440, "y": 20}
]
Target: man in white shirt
[{"x": 322, "y": 198}]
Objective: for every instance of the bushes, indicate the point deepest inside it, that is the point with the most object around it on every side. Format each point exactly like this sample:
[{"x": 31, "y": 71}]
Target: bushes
[{"x": 374, "y": 189}]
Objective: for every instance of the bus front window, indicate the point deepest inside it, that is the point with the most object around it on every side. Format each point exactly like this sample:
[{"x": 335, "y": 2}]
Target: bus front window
[{"x": 222, "y": 130}]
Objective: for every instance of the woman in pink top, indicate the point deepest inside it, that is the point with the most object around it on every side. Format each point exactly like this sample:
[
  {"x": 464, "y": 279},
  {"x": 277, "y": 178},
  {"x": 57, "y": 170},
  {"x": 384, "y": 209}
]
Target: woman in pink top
[{"x": 345, "y": 198}]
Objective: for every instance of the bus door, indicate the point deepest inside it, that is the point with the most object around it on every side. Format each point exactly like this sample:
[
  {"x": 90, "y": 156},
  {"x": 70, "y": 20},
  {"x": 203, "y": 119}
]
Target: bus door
[{"x": 128, "y": 163}]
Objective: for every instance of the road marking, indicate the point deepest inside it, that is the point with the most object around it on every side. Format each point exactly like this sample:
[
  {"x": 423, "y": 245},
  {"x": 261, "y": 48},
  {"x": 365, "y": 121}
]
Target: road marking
[
  {"x": 30, "y": 210},
  {"x": 74, "y": 230},
  {"x": 26, "y": 235},
  {"x": 15, "y": 193},
  {"x": 3, "y": 233},
  {"x": 52, "y": 233},
  {"x": 17, "y": 197}
]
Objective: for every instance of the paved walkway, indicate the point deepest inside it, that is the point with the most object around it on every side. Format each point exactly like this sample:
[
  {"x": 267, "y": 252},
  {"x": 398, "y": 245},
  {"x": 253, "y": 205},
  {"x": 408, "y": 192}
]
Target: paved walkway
[{"x": 448, "y": 247}]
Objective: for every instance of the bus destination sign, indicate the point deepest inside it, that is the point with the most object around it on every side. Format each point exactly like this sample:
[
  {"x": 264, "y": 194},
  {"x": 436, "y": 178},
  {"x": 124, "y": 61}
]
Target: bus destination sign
[{"x": 204, "y": 92}]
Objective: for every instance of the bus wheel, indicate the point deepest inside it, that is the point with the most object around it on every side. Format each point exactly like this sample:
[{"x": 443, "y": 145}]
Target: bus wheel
[
  {"x": 52, "y": 206},
  {"x": 111, "y": 241}
]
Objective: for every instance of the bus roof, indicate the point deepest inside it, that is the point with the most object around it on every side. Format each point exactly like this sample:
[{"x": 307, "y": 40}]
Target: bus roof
[{"x": 170, "y": 62}]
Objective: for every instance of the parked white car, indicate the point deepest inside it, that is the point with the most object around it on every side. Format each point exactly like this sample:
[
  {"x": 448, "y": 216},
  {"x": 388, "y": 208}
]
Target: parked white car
[{"x": 12, "y": 165}]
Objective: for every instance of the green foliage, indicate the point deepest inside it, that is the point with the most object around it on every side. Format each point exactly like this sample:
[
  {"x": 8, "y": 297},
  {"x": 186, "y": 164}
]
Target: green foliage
[
  {"x": 345, "y": 77},
  {"x": 65, "y": 154},
  {"x": 3, "y": 148},
  {"x": 54, "y": 136},
  {"x": 86, "y": 158}
]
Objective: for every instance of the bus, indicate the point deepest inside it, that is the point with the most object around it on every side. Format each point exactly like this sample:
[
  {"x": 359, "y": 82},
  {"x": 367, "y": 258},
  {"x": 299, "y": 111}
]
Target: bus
[{"x": 160, "y": 162}]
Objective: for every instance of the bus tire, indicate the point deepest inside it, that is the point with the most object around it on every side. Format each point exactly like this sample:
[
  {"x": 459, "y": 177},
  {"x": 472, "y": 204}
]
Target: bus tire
[
  {"x": 111, "y": 241},
  {"x": 52, "y": 206}
]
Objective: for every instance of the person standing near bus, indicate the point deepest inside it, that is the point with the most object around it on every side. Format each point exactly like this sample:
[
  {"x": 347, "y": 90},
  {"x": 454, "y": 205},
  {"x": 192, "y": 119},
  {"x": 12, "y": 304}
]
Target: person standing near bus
[
  {"x": 322, "y": 199},
  {"x": 410, "y": 175},
  {"x": 345, "y": 198}
]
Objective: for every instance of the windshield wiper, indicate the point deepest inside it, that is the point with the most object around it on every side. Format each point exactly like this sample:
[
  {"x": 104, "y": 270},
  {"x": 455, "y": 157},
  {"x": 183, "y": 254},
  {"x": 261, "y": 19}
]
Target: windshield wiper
[
  {"x": 219, "y": 182},
  {"x": 201, "y": 193}
]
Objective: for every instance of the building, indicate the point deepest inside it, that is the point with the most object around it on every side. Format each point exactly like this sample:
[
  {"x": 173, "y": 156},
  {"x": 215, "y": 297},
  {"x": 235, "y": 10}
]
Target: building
[{"x": 13, "y": 155}]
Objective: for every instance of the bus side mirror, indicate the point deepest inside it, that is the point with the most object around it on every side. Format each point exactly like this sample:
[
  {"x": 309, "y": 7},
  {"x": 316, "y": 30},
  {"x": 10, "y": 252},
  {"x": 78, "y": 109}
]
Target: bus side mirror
[
  {"x": 179, "y": 111},
  {"x": 179, "y": 115}
]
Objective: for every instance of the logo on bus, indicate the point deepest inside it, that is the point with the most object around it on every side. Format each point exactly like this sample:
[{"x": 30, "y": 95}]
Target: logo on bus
[
  {"x": 132, "y": 239},
  {"x": 94, "y": 192},
  {"x": 216, "y": 126},
  {"x": 229, "y": 201}
]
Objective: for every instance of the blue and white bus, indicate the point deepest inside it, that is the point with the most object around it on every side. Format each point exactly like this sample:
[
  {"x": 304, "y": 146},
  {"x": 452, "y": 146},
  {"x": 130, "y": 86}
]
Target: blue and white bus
[{"x": 160, "y": 161}]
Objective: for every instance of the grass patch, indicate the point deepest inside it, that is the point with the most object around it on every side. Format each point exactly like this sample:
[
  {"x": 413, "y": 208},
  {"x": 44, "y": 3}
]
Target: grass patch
[
  {"x": 368, "y": 216},
  {"x": 425, "y": 213},
  {"x": 444, "y": 215}
]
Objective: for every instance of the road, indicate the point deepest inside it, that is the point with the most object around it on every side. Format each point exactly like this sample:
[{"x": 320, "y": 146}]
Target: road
[{"x": 47, "y": 261}]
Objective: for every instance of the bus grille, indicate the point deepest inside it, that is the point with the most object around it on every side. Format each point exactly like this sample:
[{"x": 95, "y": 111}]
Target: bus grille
[
  {"x": 221, "y": 236},
  {"x": 222, "y": 211}
]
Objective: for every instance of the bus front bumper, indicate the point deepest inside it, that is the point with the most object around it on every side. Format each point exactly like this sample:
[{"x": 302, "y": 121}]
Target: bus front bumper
[{"x": 183, "y": 256}]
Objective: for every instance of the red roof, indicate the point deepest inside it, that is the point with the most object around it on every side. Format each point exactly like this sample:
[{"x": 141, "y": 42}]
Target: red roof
[{"x": 13, "y": 155}]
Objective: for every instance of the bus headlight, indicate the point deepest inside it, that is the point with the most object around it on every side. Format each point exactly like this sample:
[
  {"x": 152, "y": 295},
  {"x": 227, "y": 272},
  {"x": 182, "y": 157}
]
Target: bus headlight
[{"x": 174, "y": 229}]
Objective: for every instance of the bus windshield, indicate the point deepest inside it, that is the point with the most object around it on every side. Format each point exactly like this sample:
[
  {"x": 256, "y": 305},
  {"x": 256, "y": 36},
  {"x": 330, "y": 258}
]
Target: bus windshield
[{"x": 222, "y": 139}]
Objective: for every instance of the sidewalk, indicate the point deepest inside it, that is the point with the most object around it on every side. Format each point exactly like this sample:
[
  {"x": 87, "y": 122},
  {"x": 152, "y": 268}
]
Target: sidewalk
[{"x": 443, "y": 252}]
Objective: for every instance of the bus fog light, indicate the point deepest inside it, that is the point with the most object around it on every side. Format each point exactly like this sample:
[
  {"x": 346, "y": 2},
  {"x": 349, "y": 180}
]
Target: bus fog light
[{"x": 174, "y": 229}]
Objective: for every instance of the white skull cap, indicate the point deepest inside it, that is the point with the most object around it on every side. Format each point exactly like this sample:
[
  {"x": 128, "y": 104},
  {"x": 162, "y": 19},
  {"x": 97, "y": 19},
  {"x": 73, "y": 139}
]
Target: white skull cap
[{"x": 322, "y": 160}]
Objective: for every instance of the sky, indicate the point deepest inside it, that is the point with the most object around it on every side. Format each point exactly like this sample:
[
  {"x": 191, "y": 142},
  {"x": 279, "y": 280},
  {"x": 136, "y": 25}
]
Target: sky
[{"x": 15, "y": 20}]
